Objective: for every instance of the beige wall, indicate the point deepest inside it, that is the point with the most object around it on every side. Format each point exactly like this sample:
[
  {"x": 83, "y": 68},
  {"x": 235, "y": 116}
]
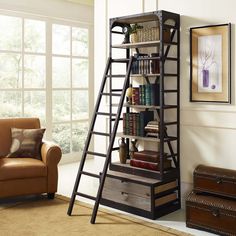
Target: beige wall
[{"x": 208, "y": 131}]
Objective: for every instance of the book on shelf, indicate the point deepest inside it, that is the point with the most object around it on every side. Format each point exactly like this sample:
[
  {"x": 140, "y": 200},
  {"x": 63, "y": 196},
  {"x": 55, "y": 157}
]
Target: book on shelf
[
  {"x": 150, "y": 165},
  {"x": 148, "y": 155},
  {"x": 145, "y": 117},
  {"x": 155, "y": 64},
  {"x": 148, "y": 95},
  {"x": 135, "y": 96},
  {"x": 142, "y": 66},
  {"x": 134, "y": 122}
]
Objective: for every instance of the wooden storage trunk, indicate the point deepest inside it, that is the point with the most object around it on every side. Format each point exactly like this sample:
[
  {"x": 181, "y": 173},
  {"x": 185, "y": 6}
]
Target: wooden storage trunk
[
  {"x": 210, "y": 213},
  {"x": 214, "y": 180},
  {"x": 139, "y": 195}
]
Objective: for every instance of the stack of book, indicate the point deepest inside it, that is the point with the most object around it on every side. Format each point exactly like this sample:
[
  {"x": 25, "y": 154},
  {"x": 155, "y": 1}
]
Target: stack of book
[
  {"x": 152, "y": 128},
  {"x": 150, "y": 160}
]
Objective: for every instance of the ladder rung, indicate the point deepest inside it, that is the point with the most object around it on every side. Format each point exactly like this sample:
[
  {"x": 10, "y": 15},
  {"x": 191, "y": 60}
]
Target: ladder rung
[
  {"x": 111, "y": 94},
  {"x": 124, "y": 60},
  {"x": 117, "y": 90},
  {"x": 90, "y": 174},
  {"x": 115, "y": 149},
  {"x": 100, "y": 133},
  {"x": 171, "y": 123},
  {"x": 170, "y": 91},
  {"x": 115, "y": 119},
  {"x": 105, "y": 114},
  {"x": 96, "y": 154},
  {"x": 86, "y": 196},
  {"x": 115, "y": 76}
]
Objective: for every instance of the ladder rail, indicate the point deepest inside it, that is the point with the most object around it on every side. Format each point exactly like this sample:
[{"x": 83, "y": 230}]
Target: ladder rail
[
  {"x": 109, "y": 151},
  {"x": 87, "y": 142}
]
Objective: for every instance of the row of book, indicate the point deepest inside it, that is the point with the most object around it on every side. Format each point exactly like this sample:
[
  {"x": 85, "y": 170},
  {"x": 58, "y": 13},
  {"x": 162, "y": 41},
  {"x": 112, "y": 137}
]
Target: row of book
[
  {"x": 145, "y": 65},
  {"x": 150, "y": 160},
  {"x": 134, "y": 123},
  {"x": 147, "y": 94}
]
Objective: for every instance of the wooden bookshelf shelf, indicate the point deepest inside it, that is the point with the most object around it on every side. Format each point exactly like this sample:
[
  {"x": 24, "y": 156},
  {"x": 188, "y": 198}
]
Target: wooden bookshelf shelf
[
  {"x": 141, "y": 106},
  {"x": 141, "y": 44},
  {"x": 150, "y": 139}
]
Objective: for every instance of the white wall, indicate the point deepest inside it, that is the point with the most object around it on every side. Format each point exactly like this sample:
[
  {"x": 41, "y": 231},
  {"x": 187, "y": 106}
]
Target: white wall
[
  {"x": 52, "y": 8},
  {"x": 208, "y": 131}
]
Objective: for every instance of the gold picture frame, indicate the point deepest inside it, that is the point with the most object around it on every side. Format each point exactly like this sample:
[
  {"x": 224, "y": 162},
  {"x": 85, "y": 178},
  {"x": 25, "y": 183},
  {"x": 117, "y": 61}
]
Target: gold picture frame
[{"x": 210, "y": 63}]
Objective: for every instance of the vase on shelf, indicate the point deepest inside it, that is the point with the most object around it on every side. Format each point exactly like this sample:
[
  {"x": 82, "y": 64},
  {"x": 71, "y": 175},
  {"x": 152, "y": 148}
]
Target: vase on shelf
[
  {"x": 123, "y": 150},
  {"x": 205, "y": 78}
]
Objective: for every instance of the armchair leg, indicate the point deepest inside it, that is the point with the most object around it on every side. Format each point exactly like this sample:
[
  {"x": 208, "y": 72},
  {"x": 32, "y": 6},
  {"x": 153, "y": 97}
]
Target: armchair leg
[{"x": 51, "y": 195}]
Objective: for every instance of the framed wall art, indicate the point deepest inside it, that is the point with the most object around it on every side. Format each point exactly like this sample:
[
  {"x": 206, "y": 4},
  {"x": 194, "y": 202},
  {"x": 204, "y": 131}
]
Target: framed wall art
[{"x": 210, "y": 63}]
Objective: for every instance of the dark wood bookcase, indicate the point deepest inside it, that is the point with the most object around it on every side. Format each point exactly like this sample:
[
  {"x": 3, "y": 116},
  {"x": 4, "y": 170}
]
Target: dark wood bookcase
[{"x": 140, "y": 191}]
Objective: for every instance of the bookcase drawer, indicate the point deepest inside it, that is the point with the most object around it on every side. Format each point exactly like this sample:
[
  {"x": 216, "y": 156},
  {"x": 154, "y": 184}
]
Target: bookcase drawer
[
  {"x": 138, "y": 194},
  {"x": 127, "y": 198},
  {"x": 127, "y": 187}
]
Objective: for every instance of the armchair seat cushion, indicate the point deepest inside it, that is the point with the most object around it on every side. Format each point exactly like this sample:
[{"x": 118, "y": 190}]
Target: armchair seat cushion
[{"x": 20, "y": 168}]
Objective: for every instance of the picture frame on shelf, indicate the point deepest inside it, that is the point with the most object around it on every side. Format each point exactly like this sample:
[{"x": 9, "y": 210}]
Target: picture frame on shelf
[{"x": 210, "y": 63}]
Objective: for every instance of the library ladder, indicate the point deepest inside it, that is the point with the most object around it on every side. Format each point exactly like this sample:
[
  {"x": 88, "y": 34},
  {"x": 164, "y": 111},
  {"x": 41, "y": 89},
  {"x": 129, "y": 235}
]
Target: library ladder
[{"x": 115, "y": 117}]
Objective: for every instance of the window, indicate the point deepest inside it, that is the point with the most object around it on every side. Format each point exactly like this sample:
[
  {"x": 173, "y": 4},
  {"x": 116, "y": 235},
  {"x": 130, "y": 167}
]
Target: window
[
  {"x": 22, "y": 67},
  {"x": 44, "y": 72},
  {"x": 70, "y": 86}
]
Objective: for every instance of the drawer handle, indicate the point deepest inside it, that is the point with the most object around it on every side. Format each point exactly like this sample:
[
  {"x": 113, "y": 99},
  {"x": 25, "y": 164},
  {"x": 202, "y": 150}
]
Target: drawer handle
[
  {"x": 215, "y": 212},
  {"x": 125, "y": 194},
  {"x": 218, "y": 180}
]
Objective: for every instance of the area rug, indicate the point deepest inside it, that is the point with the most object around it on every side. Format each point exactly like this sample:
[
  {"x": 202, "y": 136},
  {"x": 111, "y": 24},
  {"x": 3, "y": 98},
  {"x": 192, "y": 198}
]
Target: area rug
[{"x": 39, "y": 217}]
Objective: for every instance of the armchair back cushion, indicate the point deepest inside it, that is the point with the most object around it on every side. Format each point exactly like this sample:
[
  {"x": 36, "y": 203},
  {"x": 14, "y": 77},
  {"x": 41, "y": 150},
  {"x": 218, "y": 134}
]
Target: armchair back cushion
[{"x": 5, "y": 131}]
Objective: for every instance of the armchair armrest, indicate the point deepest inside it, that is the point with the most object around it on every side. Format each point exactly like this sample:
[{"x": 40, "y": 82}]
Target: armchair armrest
[{"x": 51, "y": 155}]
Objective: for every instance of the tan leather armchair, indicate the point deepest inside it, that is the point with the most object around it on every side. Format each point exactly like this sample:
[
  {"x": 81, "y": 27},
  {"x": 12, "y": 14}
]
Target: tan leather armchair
[{"x": 23, "y": 176}]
